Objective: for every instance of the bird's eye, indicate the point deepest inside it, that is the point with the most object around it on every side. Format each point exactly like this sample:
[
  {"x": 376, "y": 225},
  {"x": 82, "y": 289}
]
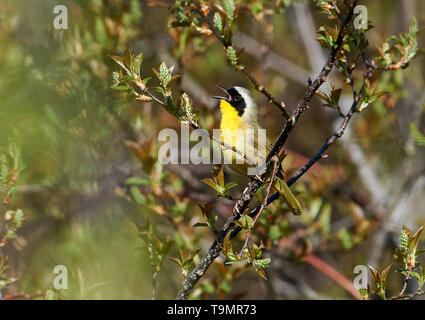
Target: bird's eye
[{"x": 237, "y": 98}]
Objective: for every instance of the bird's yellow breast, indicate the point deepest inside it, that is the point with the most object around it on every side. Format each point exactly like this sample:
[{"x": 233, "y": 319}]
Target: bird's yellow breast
[
  {"x": 230, "y": 118},
  {"x": 233, "y": 133}
]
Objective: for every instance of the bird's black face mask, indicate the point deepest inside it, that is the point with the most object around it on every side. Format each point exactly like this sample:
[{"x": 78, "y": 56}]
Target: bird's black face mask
[{"x": 234, "y": 98}]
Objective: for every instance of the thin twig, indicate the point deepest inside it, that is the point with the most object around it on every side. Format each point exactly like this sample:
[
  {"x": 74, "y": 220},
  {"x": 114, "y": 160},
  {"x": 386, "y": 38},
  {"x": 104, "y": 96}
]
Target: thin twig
[
  {"x": 408, "y": 295},
  {"x": 265, "y": 92},
  {"x": 401, "y": 293}
]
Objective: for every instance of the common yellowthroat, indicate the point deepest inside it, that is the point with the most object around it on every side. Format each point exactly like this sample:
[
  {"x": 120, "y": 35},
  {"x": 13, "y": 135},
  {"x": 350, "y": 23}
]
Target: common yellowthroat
[{"x": 240, "y": 128}]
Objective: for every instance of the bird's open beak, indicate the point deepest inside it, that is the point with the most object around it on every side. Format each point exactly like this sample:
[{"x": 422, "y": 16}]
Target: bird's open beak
[{"x": 220, "y": 97}]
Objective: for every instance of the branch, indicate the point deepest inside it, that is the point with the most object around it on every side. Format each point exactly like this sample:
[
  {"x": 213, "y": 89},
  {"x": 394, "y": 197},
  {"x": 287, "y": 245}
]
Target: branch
[
  {"x": 408, "y": 295},
  {"x": 252, "y": 187}
]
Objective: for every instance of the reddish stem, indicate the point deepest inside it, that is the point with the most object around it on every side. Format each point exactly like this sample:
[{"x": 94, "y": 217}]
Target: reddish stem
[{"x": 333, "y": 274}]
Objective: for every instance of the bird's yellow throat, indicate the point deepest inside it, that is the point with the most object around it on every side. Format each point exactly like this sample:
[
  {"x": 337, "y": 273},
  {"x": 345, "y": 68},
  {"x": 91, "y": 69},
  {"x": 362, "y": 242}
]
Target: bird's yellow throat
[{"x": 230, "y": 118}]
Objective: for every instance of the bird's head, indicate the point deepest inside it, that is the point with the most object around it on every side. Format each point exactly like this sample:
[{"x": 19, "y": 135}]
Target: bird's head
[{"x": 239, "y": 98}]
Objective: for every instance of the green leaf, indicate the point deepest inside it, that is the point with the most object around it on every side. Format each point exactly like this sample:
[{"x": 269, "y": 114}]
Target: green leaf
[
  {"x": 245, "y": 222},
  {"x": 163, "y": 74},
  {"x": 49, "y": 295},
  {"x": 262, "y": 263},
  {"x": 415, "y": 240},
  {"x": 177, "y": 261},
  {"x": 225, "y": 286},
  {"x": 228, "y": 249},
  {"x": 289, "y": 197},
  {"x": 384, "y": 274},
  {"x": 404, "y": 241},
  {"x": 256, "y": 251},
  {"x": 413, "y": 44},
  {"x": 229, "y": 8},
  {"x": 213, "y": 184},
  {"x": 325, "y": 219},
  {"x": 208, "y": 216},
  {"x": 316, "y": 205},
  {"x": 415, "y": 275},
  {"x": 206, "y": 210},
  {"x": 274, "y": 232},
  {"x": 137, "y": 64},
  {"x": 146, "y": 80},
  {"x": 137, "y": 196},
  {"x": 220, "y": 176},
  {"x": 417, "y": 136},
  {"x": 156, "y": 73},
  {"x": 335, "y": 95},
  {"x": 167, "y": 246},
  {"x": 137, "y": 181},
  {"x": 173, "y": 79},
  {"x": 159, "y": 89},
  {"x": 346, "y": 238},
  {"x": 231, "y": 55},
  {"x": 218, "y": 22},
  {"x": 327, "y": 36},
  {"x": 229, "y": 186},
  {"x": 179, "y": 13},
  {"x": 419, "y": 252},
  {"x": 375, "y": 274},
  {"x": 120, "y": 61}
]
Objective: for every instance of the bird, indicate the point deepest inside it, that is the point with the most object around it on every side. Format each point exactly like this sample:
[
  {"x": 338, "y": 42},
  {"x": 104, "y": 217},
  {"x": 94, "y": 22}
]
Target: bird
[{"x": 244, "y": 147}]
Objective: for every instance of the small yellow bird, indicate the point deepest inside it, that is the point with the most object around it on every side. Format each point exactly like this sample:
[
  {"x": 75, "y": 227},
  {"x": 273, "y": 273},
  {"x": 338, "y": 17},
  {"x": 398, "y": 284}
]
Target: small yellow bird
[{"x": 240, "y": 129}]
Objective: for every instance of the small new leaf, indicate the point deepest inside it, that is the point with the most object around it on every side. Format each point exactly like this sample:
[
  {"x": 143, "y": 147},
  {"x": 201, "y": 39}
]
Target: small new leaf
[
  {"x": 231, "y": 56},
  {"x": 229, "y": 8},
  {"x": 289, "y": 197},
  {"x": 228, "y": 250},
  {"x": 416, "y": 135},
  {"x": 218, "y": 22},
  {"x": 245, "y": 222},
  {"x": 217, "y": 183}
]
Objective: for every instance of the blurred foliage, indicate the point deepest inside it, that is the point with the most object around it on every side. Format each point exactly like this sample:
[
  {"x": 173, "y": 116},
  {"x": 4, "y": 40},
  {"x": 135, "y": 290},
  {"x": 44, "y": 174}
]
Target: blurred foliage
[
  {"x": 91, "y": 186},
  {"x": 407, "y": 256}
]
